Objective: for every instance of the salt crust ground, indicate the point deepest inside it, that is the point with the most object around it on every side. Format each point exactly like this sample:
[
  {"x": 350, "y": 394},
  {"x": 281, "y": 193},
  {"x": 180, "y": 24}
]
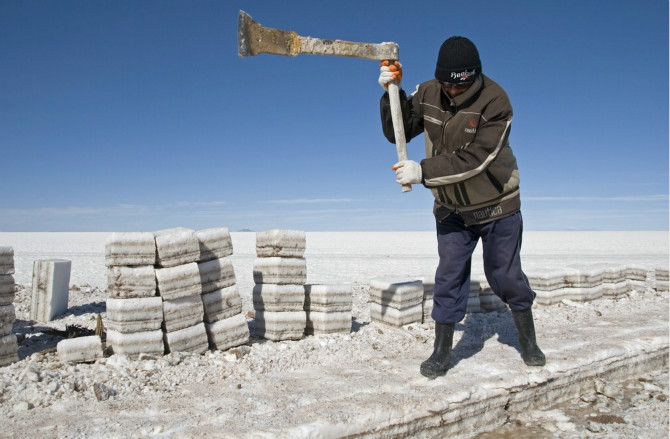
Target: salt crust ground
[{"x": 258, "y": 387}]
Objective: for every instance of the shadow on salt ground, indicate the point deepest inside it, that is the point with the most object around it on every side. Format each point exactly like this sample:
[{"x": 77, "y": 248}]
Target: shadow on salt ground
[
  {"x": 89, "y": 308},
  {"x": 479, "y": 327},
  {"x": 34, "y": 337}
]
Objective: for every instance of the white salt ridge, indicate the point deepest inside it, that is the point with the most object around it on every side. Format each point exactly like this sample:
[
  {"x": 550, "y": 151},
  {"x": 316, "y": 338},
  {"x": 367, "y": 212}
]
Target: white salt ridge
[
  {"x": 81, "y": 349},
  {"x": 129, "y": 282},
  {"x": 130, "y": 248}
]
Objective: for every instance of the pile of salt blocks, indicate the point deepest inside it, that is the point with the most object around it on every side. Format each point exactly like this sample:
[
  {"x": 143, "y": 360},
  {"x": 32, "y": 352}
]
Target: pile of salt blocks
[
  {"x": 8, "y": 344},
  {"x": 396, "y": 303},
  {"x": 280, "y": 273},
  {"x": 592, "y": 282},
  {"x": 172, "y": 290}
]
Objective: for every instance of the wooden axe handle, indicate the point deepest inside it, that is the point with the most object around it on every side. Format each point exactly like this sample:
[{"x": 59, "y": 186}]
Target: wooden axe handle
[{"x": 398, "y": 127}]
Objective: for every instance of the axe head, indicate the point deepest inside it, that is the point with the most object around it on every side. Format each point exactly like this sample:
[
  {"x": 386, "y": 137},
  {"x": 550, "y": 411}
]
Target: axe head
[{"x": 254, "y": 39}]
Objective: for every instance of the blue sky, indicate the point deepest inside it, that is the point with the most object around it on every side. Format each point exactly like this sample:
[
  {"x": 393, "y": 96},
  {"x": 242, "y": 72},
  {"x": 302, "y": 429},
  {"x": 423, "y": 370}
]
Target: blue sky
[{"x": 139, "y": 115}]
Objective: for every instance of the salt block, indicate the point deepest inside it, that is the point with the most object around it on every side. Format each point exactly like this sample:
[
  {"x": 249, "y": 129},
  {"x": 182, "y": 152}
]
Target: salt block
[
  {"x": 134, "y": 315},
  {"x": 135, "y": 343},
  {"x": 396, "y": 294},
  {"x": 214, "y": 243},
  {"x": 280, "y": 243},
  {"x": 636, "y": 272},
  {"x": 583, "y": 277},
  {"x": 7, "y": 319},
  {"x": 7, "y": 289},
  {"x": 280, "y": 271},
  {"x": 51, "y": 287},
  {"x": 395, "y": 317},
  {"x": 130, "y": 282},
  {"x": 273, "y": 297},
  {"x": 478, "y": 284},
  {"x": 6, "y": 260},
  {"x": 180, "y": 281},
  {"x": 614, "y": 290},
  {"x": 130, "y": 248},
  {"x": 192, "y": 339},
  {"x": 547, "y": 280},
  {"x": 427, "y": 306},
  {"x": 182, "y": 313},
  {"x": 428, "y": 286},
  {"x": 221, "y": 304},
  {"x": 176, "y": 246},
  {"x": 216, "y": 274},
  {"x": 328, "y": 322},
  {"x": 614, "y": 274},
  {"x": 80, "y": 349},
  {"x": 490, "y": 302},
  {"x": 228, "y": 333},
  {"x": 9, "y": 350},
  {"x": 278, "y": 326},
  {"x": 328, "y": 297},
  {"x": 661, "y": 275},
  {"x": 473, "y": 304}
]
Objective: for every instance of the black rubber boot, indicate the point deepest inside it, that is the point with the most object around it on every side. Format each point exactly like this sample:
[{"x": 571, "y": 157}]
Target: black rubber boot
[
  {"x": 438, "y": 363},
  {"x": 530, "y": 352}
]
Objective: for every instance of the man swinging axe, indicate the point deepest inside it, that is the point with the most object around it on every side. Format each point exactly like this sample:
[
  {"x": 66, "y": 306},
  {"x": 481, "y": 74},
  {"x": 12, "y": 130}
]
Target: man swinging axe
[{"x": 470, "y": 169}]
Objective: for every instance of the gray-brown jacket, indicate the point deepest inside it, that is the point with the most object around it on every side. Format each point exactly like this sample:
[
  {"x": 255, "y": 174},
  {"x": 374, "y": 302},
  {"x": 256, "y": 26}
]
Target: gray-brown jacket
[{"x": 469, "y": 165}]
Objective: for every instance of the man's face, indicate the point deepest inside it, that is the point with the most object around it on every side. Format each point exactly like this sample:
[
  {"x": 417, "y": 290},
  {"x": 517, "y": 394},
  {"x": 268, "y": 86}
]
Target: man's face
[{"x": 455, "y": 89}]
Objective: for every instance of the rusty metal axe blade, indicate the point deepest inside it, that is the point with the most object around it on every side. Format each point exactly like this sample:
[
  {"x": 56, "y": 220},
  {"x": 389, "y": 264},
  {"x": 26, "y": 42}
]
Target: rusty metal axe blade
[{"x": 254, "y": 39}]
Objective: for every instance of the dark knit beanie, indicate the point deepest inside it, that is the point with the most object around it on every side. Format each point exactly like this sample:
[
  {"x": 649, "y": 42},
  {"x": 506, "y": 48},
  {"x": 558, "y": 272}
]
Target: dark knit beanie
[{"x": 458, "y": 61}]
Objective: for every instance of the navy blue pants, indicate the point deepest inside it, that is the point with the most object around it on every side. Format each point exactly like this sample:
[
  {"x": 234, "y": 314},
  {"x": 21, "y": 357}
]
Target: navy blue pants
[{"x": 501, "y": 245}]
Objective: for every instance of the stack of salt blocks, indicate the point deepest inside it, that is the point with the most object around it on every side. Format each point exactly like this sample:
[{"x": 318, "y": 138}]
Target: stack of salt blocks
[
  {"x": 280, "y": 273},
  {"x": 225, "y": 324},
  {"x": 185, "y": 300},
  {"x": 8, "y": 345},
  {"x": 396, "y": 303},
  {"x": 328, "y": 308},
  {"x": 134, "y": 312}
]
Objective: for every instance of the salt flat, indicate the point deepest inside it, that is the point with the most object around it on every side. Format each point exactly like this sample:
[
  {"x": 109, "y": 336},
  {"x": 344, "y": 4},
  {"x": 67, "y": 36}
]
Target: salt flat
[{"x": 365, "y": 383}]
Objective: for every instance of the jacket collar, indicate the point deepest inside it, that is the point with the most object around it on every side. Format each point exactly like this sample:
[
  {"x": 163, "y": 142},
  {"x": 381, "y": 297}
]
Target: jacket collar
[{"x": 463, "y": 98}]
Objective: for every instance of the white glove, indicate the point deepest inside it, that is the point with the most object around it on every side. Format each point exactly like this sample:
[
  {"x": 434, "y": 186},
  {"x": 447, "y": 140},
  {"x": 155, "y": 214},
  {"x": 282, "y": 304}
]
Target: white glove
[
  {"x": 389, "y": 73},
  {"x": 408, "y": 172}
]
